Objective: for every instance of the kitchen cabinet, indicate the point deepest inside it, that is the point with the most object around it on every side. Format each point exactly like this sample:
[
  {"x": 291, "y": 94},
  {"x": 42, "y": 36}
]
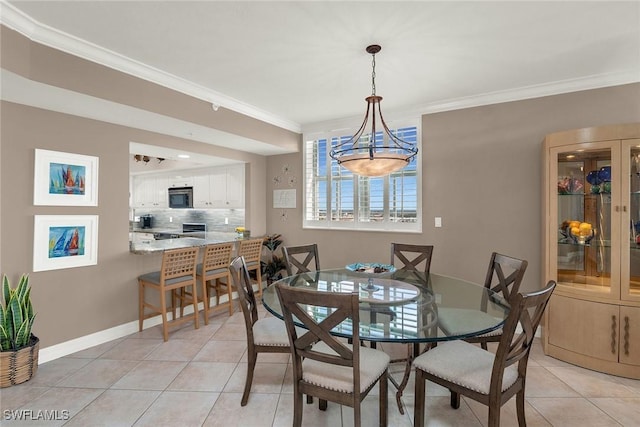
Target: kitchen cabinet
[
  {"x": 591, "y": 247},
  {"x": 221, "y": 188},
  {"x": 181, "y": 181},
  {"x": 150, "y": 191}
]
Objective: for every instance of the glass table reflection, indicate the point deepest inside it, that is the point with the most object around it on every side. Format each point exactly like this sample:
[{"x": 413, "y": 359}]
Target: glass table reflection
[{"x": 404, "y": 306}]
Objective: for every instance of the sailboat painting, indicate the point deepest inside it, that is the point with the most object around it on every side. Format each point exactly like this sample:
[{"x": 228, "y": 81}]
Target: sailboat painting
[
  {"x": 66, "y": 179},
  {"x": 66, "y": 241}
]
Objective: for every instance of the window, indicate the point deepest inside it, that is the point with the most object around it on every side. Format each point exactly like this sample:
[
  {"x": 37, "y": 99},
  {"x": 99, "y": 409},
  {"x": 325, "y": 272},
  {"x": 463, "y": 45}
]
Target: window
[{"x": 336, "y": 198}]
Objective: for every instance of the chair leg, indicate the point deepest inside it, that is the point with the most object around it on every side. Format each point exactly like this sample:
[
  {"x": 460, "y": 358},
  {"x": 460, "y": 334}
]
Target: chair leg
[
  {"x": 252, "y": 356},
  {"x": 455, "y": 400},
  {"x": 483, "y": 344},
  {"x": 194, "y": 301},
  {"x": 357, "y": 414},
  {"x": 384, "y": 390},
  {"x": 205, "y": 301},
  {"x": 494, "y": 416},
  {"x": 322, "y": 404},
  {"x": 163, "y": 309},
  {"x": 520, "y": 408},
  {"x": 297, "y": 407},
  {"x": 418, "y": 403},
  {"x": 140, "y": 306},
  {"x": 230, "y": 296}
]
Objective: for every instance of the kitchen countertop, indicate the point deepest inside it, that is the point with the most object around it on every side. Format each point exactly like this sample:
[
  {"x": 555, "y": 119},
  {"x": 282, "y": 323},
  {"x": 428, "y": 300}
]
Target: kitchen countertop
[{"x": 140, "y": 245}]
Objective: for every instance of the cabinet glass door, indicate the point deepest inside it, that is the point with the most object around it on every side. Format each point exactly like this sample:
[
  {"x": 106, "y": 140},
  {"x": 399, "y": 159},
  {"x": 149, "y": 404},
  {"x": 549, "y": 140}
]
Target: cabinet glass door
[
  {"x": 585, "y": 183},
  {"x": 631, "y": 221}
]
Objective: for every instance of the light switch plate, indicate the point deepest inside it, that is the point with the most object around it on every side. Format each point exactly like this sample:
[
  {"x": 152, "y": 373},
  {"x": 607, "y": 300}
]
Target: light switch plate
[{"x": 438, "y": 222}]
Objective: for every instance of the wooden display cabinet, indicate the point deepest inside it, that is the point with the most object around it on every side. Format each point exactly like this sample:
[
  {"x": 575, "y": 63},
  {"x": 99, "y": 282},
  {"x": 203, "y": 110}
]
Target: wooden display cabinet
[{"x": 591, "y": 247}]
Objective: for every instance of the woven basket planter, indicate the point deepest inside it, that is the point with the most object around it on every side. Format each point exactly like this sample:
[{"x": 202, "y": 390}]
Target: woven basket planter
[{"x": 20, "y": 365}]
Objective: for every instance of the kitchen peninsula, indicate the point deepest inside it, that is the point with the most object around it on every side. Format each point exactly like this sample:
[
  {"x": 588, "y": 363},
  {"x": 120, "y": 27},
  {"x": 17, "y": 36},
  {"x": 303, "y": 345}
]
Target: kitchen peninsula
[{"x": 142, "y": 245}]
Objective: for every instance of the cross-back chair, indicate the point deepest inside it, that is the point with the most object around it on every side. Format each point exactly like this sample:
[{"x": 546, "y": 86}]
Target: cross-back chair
[
  {"x": 251, "y": 251},
  {"x": 491, "y": 379},
  {"x": 504, "y": 277},
  {"x": 300, "y": 258},
  {"x": 414, "y": 258},
  {"x": 326, "y": 366},
  {"x": 177, "y": 273},
  {"x": 266, "y": 335}
]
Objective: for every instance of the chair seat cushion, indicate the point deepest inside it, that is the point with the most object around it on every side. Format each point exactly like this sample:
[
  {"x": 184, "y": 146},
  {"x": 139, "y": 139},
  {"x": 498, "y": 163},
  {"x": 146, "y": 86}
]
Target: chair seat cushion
[
  {"x": 155, "y": 278},
  {"x": 270, "y": 331},
  {"x": 456, "y": 321},
  {"x": 464, "y": 364},
  {"x": 216, "y": 272},
  {"x": 373, "y": 363}
]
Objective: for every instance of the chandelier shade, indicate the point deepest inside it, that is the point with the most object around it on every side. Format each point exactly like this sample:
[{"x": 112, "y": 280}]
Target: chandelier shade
[{"x": 380, "y": 151}]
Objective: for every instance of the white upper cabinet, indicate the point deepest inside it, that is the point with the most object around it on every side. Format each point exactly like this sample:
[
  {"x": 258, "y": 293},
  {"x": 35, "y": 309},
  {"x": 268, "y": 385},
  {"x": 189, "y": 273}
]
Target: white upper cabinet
[{"x": 221, "y": 187}]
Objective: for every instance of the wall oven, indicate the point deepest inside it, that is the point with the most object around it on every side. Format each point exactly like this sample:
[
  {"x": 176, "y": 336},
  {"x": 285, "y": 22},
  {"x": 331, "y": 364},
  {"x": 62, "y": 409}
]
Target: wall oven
[{"x": 181, "y": 197}]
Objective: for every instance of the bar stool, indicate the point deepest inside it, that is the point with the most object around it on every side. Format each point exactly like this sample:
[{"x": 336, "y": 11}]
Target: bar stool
[
  {"x": 251, "y": 251},
  {"x": 215, "y": 266},
  {"x": 178, "y": 272}
]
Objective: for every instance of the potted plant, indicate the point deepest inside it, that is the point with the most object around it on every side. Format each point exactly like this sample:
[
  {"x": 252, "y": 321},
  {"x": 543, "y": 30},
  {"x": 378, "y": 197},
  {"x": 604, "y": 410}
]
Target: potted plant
[
  {"x": 275, "y": 264},
  {"x": 18, "y": 346}
]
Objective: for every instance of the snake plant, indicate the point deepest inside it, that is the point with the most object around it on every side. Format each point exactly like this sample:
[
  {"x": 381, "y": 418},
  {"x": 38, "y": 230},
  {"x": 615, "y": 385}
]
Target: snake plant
[{"x": 16, "y": 315}]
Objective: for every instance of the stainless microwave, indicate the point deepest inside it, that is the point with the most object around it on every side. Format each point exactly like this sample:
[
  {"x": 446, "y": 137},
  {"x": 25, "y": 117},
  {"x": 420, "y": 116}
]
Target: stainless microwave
[{"x": 181, "y": 197}]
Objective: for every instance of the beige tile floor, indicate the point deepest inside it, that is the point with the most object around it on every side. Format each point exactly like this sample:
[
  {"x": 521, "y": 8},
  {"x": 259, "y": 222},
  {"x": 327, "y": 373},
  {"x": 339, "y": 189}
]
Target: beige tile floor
[{"x": 197, "y": 378}]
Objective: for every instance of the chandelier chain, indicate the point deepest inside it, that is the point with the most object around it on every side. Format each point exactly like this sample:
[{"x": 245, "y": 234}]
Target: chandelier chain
[{"x": 373, "y": 75}]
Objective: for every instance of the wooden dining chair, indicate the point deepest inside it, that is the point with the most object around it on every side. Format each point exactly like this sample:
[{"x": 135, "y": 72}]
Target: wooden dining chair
[
  {"x": 266, "y": 335},
  {"x": 300, "y": 258},
  {"x": 251, "y": 251},
  {"x": 488, "y": 378},
  {"x": 178, "y": 271},
  {"x": 504, "y": 277},
  {"x": 215, "y": 266},
  {"x": 411, "y": 257},
  {"x": 325, "y": 366},
  {"x": 414, "y": 258}
]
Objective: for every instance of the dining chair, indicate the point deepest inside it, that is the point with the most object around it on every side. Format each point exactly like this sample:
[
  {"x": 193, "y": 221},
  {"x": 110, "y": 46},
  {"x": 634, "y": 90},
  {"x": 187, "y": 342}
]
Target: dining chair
[
  {"x": 215, "y": 266},
  {"x": 266, "y": 335},
  {"x": 293, "y": 257},
  {"x": 251, "y": 251},
  {"x": 178, "y": 271},
  {"x": 504, "y": 277},
  {"x": 491, "y": 379},
  {"x": 420, "y": 256},
  {"x": 323, "y": 365},
  {"x": 414, "y": 258}
]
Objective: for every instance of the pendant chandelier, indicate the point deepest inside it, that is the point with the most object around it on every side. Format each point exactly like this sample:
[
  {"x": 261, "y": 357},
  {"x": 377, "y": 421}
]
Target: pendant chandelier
[{"x": 379, "y": 152}]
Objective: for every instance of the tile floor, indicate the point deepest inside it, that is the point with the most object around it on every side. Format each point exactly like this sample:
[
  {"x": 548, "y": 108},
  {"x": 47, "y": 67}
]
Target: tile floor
[{"x": 197, "y": 378}]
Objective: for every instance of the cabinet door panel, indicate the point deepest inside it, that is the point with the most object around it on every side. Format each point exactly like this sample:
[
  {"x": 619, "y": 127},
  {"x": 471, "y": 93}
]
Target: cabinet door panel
[
  {"x": 584, "y": 327},
  {"x": 201, "y": 198},
  {"x": 630, "y": 335}
]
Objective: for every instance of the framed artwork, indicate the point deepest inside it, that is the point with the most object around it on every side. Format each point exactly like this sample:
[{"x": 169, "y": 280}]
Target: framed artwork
[
  {"x": 284, "y": 199},
  {"x": 65, "y": 179},
  {"x": 64, "y": 241}
]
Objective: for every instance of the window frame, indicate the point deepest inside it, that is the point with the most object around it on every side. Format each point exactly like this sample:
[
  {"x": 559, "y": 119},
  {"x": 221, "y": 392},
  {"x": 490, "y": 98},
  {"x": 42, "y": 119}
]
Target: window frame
[{"x": 356, "y": 224}]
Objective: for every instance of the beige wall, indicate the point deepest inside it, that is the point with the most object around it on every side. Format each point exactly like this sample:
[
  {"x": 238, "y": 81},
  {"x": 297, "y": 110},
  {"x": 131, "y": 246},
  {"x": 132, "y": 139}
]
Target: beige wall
[{"x": 481, "y": 174}]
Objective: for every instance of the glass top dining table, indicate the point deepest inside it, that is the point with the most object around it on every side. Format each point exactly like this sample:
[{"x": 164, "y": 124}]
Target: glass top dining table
[{"x": 404, "y": 306}]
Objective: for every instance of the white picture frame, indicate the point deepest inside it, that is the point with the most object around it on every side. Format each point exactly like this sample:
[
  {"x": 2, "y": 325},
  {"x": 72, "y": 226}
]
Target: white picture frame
[
  {"x": 65, "y": 179},
  {"x": 64, "y": 241},
  {"x": 284, "y": 199}
]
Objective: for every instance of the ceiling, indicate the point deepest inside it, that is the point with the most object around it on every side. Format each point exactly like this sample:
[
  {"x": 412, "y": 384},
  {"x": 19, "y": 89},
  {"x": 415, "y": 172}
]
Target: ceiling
[{"x": 302, "y": 64}]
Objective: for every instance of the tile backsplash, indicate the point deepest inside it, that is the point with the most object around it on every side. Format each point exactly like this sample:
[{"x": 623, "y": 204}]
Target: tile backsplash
[{"x": 173, "y": 218}]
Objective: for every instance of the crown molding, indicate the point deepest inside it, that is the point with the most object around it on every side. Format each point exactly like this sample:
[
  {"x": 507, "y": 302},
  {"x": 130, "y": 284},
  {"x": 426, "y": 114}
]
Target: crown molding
[{"x": 48, "y": 36}]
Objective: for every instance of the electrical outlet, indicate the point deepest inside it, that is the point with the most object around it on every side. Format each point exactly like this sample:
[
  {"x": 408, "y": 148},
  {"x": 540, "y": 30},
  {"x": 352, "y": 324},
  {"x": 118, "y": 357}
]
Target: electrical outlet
[
  {"x": 170, "y": 219},
  {"x": 438, "y": 222},
  {"x": 226, "y": 221}
]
